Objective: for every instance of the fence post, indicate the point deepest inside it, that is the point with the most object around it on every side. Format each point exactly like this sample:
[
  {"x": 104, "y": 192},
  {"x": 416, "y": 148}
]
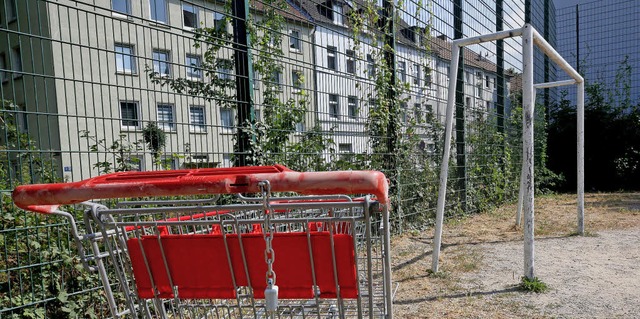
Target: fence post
[
  {"x": 500, "y": 71},
  {"x": 461, "y": 156},
  {"x": 390, "y": 59},
  {"x": 500, "y": 91},
  {"x": 547, "y": 68},
  {"x": 244, "y": 81}
]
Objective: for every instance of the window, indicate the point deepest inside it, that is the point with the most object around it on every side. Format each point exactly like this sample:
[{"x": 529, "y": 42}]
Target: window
[
  {"x": 294, "y": 40},
  {"x": 16, "y": 62},
  {"x": 198, "y": 161},
  {"x": 488, "y": 104},
  {"x": 224, "y": 70},
  {"x": 219, "y": 21},
  {"x": 331, "y": 58},
  {"x": 226, "y": 119},
  {"x": 166, "y": 117},
  {"x": 197, "y": 119},
  {"x": 190, "y": 16},
  {"x": 121, "y": 6},
  {"x": 334, "y": 106},
  {"x": 159, "y": 10},
  {"x": 468, "y": 74},
  {"x": 130, "y": 115},
  {"x": 416, "y": 74},
  {"x": 372, "y": 103},
  {"x": 351, "y": 61},
  {"x": 429, "y": 108},
  {"x": 427, "y": 76},
  {"x": 300, "y": 127},
  {"x": 161, "y": 63},
  {"x": 125, "y": 61},
  {"x": 402, "y": 71},
  {"x": 169, "y": 162},
  {"x": 276, "y": 80},
  {"x": 337, "y": 13},
  {"x": 226, "y": 160},
  {"x": 256, "y": 79},
  {"x": 468, "y": 102},
  {"x": 12, "y": 11},
  {"x": 371, "y": 66},
  {"x": 352, "y": 104},
  {"x": 3, "y": 66},
  {"x": 487, "y": 81},
  {"x": 417, "y": 112},
  {"x": 134, "y": 163},
  {"x": 345, "y": 148},
  {"x": 479, "y": 89},
  {"x": 193, "y": 66},
  {"x": 403, "y": 110},
  {"x": 296, "y": 78}
]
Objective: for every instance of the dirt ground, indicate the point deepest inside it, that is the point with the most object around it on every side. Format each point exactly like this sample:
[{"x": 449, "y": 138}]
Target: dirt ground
[{"x": 592, "y": 276}]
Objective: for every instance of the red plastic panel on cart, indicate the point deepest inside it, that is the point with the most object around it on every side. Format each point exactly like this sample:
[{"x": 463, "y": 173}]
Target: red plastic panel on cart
[{"x": 199, "y": 265}]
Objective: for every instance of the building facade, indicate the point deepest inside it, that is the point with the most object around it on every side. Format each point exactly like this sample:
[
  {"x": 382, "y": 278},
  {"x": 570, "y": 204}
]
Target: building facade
[
  {"x": 346, "y": 74},
  {"x": 83, "y": 81},
  {"x": 87, "y": 77}
]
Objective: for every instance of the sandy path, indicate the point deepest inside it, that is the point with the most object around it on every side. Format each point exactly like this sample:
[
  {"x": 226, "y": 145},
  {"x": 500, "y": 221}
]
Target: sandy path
[{"x": 590, "y": 277}]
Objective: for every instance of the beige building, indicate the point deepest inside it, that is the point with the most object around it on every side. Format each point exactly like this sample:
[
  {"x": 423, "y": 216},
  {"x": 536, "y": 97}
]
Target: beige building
[{"x": 79, "y": 72}]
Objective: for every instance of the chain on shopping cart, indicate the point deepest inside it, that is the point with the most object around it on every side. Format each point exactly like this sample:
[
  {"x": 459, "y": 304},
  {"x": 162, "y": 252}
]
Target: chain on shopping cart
[{"x": 271, "y": 292}]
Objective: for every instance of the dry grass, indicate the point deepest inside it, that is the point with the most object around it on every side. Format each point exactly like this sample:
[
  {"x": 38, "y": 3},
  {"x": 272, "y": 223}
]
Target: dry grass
[{"x": 422, "y": 294}]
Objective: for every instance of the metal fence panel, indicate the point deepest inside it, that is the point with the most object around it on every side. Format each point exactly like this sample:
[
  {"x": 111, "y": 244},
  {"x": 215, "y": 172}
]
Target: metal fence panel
[{"x": 97, "y": 86}]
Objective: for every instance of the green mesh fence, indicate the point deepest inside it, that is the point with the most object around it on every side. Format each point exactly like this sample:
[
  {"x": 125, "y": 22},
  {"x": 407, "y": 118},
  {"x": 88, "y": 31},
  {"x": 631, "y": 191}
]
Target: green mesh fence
[{"x": 97, "y": 86}]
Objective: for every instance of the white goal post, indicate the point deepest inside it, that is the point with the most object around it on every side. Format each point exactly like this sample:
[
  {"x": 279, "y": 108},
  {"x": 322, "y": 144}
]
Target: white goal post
[{"x": 526, "y": 195}]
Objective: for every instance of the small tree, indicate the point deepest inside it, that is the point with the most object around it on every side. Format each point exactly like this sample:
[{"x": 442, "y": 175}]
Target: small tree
[
  {"x": 117, "y": 156},
  {"x": 156, "y": 139}
]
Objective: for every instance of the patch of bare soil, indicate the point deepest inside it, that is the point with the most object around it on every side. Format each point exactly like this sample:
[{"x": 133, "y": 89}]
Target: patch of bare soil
[{"x": 593, "y": 276}]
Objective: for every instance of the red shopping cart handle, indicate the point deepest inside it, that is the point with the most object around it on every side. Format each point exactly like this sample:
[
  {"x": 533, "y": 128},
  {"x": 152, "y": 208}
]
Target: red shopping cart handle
[{"x": 44, "y": 198}]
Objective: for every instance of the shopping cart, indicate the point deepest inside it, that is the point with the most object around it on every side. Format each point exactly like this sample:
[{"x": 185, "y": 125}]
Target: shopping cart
[{"x": 314, "y": 254}]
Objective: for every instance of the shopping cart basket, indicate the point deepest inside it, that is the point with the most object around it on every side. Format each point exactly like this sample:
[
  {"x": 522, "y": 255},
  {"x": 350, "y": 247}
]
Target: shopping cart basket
[{"x": 314, "y": 254}]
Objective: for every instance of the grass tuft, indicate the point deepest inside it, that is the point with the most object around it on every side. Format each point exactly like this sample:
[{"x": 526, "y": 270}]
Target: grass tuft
[
  {"x": 440, "y": 274},
  {"x": 533, "y": 285}
]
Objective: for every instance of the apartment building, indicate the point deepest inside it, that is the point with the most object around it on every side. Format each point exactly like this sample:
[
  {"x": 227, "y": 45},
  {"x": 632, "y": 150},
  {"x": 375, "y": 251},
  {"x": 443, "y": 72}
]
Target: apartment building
[
  {"x": 343, "y": 85},
  {"x": 80, "y": 74},
  {"x": 479, "y": 78},
  {"x": 346, "y": 74}
]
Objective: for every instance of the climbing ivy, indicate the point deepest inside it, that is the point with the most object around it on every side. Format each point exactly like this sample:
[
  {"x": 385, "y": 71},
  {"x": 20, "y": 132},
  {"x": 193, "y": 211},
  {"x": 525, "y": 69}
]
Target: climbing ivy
[{"x": 271, "y": 137}]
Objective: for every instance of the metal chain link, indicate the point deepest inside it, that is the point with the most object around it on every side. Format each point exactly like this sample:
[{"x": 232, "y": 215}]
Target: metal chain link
[
  {"x": 271, "y": 291},
  {"x": 269, "y": 253}
]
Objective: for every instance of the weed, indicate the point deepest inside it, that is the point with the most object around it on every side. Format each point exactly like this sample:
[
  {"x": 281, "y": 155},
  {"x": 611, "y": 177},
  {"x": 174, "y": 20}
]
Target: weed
[
  {"x": 440, "y": 274},
  {"x": 533, "y": 285}
]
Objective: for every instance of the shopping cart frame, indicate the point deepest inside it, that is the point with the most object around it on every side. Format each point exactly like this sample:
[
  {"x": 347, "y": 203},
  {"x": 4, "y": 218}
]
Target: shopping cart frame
[{"x": 318, "y": 186}]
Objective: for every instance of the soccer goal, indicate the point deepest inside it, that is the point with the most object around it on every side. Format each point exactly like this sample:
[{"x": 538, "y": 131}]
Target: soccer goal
[{"x": 530, "y": 37}]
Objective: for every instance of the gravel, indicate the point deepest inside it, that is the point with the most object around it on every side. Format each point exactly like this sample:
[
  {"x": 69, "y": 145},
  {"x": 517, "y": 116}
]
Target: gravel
[{"x": 596, "y": 276}]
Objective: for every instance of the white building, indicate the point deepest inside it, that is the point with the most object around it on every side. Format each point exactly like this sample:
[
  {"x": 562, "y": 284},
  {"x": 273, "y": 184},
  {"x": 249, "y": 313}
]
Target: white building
[{"x": 346, "y": 71}]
